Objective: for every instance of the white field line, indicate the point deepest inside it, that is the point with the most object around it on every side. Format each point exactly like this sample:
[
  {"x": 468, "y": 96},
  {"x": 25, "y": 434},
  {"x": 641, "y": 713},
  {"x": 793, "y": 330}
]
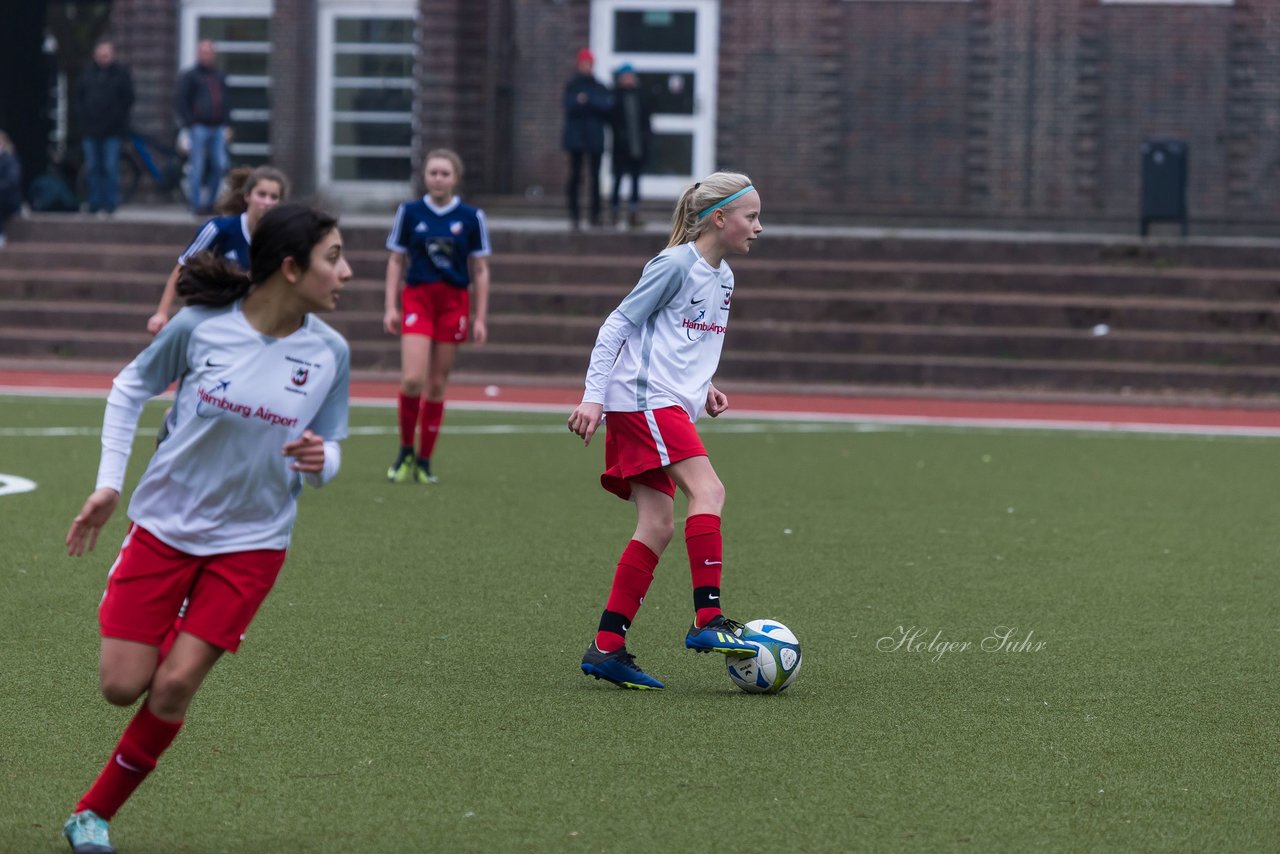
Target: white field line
[
  {"x": 730, "y": 422},
  {"x": 760, "y": 423}
]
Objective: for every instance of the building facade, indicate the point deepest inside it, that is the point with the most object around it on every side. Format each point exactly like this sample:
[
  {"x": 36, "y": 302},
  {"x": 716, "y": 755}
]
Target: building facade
[{"x": 991, "y": 112}]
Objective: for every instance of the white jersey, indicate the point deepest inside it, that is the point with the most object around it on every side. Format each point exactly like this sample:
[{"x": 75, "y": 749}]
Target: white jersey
[
  {"x": 219, "y": 481},
  {"x": 680, "y": 310}
]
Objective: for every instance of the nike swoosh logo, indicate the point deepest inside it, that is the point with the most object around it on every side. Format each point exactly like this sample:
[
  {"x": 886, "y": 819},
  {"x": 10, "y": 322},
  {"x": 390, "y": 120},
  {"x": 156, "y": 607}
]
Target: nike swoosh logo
[
  {"x": 208, "y": 363},
  {"x": 697, "y": 301},
  {"x": 125, "y": 765},
  {"x": 713, "y": 597},
  {"x": 712, "y": 562}
]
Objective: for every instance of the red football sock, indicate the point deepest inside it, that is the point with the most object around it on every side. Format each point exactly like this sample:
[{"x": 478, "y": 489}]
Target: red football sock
[
  {"x": 144, "y": 739},
  {"x": 631, "y": 581},
  {"x": 408, "y": 419},
  {"x": 702, "y": 539},
  {"x": 432, "y": 416}
]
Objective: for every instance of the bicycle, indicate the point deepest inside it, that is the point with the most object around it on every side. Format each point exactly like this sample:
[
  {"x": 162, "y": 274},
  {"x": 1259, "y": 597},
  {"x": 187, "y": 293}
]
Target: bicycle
[{"x": 145, "y": 155}]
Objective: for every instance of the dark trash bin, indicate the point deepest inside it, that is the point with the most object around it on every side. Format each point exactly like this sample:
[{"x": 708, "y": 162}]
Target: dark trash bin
[{"x": 1164, "y": 182}]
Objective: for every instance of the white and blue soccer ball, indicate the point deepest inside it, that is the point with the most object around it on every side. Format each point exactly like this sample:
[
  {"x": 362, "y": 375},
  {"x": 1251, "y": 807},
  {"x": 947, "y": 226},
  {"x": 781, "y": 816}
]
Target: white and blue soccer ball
[{"x": 776, "y": 662}]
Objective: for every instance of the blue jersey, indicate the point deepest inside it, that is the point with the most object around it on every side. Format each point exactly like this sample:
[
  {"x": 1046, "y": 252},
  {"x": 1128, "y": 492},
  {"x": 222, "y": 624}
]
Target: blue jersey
[
  {"x": 439, "y": 241},
  {"x": 224, "y": 236}
]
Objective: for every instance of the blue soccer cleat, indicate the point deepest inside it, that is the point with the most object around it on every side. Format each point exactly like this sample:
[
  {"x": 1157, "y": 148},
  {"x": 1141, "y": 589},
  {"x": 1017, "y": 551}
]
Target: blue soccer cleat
[
  {"x": 719, "y": 635},
  {"x": 618, "y": 667},
  {"x": 87, "y": 833}
]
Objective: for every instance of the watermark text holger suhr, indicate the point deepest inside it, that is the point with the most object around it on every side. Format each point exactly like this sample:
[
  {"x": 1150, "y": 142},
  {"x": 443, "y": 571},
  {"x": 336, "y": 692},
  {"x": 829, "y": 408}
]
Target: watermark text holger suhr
[{"x": 918, "y": 639}]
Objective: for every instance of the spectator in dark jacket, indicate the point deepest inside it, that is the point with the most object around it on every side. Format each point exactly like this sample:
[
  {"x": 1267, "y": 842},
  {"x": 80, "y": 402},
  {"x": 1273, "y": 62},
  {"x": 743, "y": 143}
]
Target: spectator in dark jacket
[
  {"x": 10, "y": 183},
  {"x": 586, "y": 112},
  {"x": 201, "y": 104},
  {"x": 632, "y": 133},
  {"x": 104, "y": 97}
]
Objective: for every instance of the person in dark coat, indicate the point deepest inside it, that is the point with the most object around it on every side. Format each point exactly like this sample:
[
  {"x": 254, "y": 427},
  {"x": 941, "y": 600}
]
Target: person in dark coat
[
  {"x": 201, "y": 103},
  {"x": 10, "y": 183},
  {"x": 632, "y": 125},
  {"x": 587, "y": 103},
  {"x": 104, "y": 97}
]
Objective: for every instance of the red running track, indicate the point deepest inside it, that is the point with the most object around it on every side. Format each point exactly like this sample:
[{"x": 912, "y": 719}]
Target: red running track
[{"x": 887, "y": 410}]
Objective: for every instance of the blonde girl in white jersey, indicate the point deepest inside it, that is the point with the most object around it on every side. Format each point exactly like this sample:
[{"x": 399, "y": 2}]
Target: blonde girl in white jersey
[{"x": 651, "y": 373}]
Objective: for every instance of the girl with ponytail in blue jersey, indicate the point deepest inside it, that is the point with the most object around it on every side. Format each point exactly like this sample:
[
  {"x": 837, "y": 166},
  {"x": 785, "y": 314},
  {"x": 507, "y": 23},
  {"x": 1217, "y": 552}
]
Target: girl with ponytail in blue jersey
[
  {"x": 251, "y": 192},
  {"x": 437, "y": 298}
]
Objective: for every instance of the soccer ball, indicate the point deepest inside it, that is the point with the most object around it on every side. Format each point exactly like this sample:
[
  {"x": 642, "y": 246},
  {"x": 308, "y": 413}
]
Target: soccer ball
[{"x": 775, "y": 666}]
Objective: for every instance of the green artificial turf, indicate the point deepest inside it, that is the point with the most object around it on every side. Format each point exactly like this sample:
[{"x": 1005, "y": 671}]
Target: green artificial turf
[{"x": 412, "y": 684}]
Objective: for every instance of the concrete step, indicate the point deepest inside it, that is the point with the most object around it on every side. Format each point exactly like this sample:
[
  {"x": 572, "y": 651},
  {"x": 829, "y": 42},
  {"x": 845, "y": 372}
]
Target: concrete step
[
  {"x": 753, "y": 273},
  {"x": 817, "y": 339},
  {"x": 512, "y": 235}
]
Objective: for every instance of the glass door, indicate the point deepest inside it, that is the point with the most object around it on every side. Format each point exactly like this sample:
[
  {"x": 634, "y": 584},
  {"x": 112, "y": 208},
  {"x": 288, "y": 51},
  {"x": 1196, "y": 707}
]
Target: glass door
[
  {"x": 365, "y": 99},
  {"x": 674, "y": 47}
]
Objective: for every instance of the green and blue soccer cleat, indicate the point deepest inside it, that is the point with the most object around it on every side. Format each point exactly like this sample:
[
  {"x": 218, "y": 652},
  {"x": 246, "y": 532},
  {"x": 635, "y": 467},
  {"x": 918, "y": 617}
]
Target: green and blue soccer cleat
[
  {"x": 719, "y": 635},
  {"x": 618, "y": 667},
  {"x": 422, "y": 472},
  {"x": 87, "y": 833},
  {"x": 401, "y": 470}
]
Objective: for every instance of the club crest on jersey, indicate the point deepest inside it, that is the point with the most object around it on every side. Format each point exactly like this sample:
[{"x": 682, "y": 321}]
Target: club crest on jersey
[
  {"x": 455, "y": 227},
  {"x": 300, "y": 376}
]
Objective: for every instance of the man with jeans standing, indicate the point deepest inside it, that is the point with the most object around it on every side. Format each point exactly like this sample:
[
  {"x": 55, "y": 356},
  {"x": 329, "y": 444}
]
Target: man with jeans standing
[
  {"x": 104, "y": 97},
  {"x": 201, "y": 103}
]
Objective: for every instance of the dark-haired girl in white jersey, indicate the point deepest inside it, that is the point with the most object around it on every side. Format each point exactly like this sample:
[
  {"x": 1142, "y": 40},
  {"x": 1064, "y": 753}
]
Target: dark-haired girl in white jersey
[
  {"x": 260, "y": 406},
  {"x": 651, "y": 372}
]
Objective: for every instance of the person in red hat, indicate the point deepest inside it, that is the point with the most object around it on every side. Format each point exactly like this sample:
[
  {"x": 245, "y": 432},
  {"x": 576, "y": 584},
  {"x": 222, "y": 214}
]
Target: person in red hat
[{"x": 587, "y": 105}]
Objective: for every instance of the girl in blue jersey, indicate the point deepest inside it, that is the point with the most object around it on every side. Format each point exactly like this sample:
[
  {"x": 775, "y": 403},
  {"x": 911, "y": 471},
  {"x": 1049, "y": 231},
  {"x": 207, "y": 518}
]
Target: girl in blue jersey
[
  {"x": 439, "y": 249},
  {"x": 651, "y": 372},
  {"x": 250, "y": 194},
  {"x": 260, "y": 407}
]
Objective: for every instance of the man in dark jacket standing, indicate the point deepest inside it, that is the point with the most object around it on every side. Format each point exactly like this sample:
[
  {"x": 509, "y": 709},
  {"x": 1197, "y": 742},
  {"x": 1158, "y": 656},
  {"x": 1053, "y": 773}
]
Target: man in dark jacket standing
[
  {"x": 104, "y": 97},
  {"x": 587, "y": 103},
  {"x": 201, "y": 103},
  {"x": 632, "y": 133}
]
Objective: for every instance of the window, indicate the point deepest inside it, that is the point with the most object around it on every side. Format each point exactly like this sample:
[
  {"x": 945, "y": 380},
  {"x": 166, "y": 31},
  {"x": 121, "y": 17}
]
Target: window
[
  {"x": 241, "y": 33},
  {"x": 366, "y": 91}
]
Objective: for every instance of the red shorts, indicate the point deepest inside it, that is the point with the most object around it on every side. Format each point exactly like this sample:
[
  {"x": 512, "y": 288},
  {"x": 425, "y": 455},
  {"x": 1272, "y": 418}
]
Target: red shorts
[
  {"x": 638, "y": 445},
  {"x": 150, "y": 582},
  {"x": 440, "y": 312}
]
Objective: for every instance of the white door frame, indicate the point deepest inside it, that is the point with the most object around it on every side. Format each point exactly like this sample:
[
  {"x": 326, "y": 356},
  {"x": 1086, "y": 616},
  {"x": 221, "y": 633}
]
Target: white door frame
[
  {"x": 704, "y": 63},
  {"x": 352, "y": 193}
]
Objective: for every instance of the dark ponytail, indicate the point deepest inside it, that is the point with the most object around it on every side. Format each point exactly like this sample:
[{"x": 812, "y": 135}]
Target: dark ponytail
[{"x": 211, "y": 281}]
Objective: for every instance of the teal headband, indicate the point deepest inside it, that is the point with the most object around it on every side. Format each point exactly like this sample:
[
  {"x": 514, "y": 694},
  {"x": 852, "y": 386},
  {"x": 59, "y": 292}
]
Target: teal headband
[{"x": 725, "y": 201}]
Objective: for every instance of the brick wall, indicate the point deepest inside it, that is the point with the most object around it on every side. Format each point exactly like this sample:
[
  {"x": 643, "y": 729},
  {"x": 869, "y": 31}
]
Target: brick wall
[
  {"x": 783, "y": 79},
  {"x": 907, "y": 72},
  {"x": 146, "y": 39},
  {"x": 995, "y": 111},
  {"x": 293, "y": 95},
  {"x": 547, "y": 37}
]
